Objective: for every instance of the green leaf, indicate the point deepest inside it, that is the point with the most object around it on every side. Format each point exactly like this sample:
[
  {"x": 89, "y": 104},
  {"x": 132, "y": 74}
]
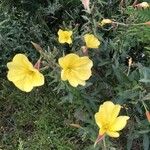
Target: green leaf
[
  {"x": 146, "y": 142},
  {"x": 144, "y": 74},
  {"x": 147, "y": 97}
]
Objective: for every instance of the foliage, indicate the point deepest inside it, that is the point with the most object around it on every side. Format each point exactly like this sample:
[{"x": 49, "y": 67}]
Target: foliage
[{"x": 30, "y": 119}]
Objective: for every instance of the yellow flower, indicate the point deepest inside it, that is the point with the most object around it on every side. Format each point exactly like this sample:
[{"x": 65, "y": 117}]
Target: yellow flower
[
  {"x": 105, "y": 21},
  {"x": 75, "y": 69},
  {"x": 23, "y": 74},
  {"x": 64, "y": 36},
  {"x": 108, "y": 121},
  {"x": 91, "y": 41}
]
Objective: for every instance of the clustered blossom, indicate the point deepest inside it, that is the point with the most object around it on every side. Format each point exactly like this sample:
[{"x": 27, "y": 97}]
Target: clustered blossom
[
  {"x": 91, "y": 40},
  {"x": 76, "y": 70}
]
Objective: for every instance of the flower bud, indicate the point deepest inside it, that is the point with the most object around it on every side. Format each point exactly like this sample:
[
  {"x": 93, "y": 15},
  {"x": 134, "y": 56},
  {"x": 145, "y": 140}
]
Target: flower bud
[
  {"x": 148, "y": 116},
  {"x": 38, "y": 64},
  {"x": 142, "y": 5},
  {"x": 147, "y": 23},
  {"x": 105, "y": 21},
  {"x": 84, "y": 50},
  {"x": 86, "y": 5}
]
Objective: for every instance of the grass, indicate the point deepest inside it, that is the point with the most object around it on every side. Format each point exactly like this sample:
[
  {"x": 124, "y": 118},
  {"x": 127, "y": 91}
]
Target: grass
[{"x": 35, "y": 121}]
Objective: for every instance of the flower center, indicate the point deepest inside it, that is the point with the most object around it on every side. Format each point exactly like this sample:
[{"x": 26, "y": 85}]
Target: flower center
[
  {"x": 106, "y": 126},
  {"x": 66, "y": 37},
  {"x": 30, "y": 72}
]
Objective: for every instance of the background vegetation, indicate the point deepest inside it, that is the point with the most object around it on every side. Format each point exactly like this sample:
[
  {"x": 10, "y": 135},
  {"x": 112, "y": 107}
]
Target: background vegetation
[{"x": 41, "y": 119}]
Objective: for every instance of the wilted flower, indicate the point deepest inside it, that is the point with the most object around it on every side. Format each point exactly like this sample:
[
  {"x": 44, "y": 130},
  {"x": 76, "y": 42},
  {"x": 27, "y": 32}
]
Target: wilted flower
[
  {"x": 147, "y": 23},
  {"x": 86, "y": 4},
  {"x": 148, "y": 115},
  {"x": 23, "y": 74},
  {"x": 105, "y": 21},
  {"x": 108, "y": 121},
  {"x": 142, "y": 5},
  {"x": 64, "y": 36},
  {"x": 75, "y": 69},
  {"x": 91, "y": 41}
]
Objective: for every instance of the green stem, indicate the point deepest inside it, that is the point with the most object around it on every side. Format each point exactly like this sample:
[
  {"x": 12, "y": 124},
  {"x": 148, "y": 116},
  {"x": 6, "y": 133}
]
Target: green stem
[
  {"x": 104, "y": 144},
  {"x": 144, "y": 106},
  {"x": 128, "y": 70},
  {"x": 123, "y": 24}
]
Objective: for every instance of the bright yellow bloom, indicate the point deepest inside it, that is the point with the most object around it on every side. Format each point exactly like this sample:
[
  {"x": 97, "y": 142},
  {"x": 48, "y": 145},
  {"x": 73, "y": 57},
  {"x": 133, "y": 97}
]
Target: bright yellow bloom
[
  {"x": 105, "y": 21},
  {"x": 91, "y": 41},
  {"x": 108, "y": 121},
  {"x": 75, "y": 69},
  {"x": 23, "y": 74},
  {"x": 64, "y": 36}
]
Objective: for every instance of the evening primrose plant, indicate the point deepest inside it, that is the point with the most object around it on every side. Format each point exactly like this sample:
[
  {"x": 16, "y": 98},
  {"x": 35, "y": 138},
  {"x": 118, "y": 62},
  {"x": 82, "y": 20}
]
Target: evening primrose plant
[
  {"x": 76, "y": 70},
  {"x": 101, "y": 73}
]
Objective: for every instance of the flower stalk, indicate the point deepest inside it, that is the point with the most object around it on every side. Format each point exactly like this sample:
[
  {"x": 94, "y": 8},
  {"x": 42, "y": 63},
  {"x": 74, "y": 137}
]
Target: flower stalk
[{"x": 104, "y": 143}]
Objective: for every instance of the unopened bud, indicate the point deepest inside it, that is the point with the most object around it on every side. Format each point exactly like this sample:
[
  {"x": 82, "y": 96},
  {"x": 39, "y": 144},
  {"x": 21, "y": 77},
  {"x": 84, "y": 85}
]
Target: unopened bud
[
  {"x": 38, "y": 64},
  {"x": 75, "y": 125},
  {"x": 37, "y": 46},
  {"x": 86, "y": 5},
  {"x": 84, "y": 50},
  {"x": 130, "y": 61},
  {"x": 99, "y": 138},
  {"x": 142, "y": 5},
  {"x": 148, "y": 116},
  {"x": 105, "y": 21},
  {"x": 147, "y": 23}
]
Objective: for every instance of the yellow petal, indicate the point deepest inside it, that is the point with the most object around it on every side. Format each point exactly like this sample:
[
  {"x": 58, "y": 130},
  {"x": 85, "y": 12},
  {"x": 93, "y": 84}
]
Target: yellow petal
[
  {"x": 70, "y": 33},
  {"x": 69, "y": 41},
  {"x": 83, "y": 62},
  {"x": 82, "y": 68},
  {"x": 91, "y": 41},
  {"x": 82, "y": 74},
  {"x": 63, "y": 75},
  {"x": 74, "y": 80},
  {"x": 102, "y": 131},
  {"x": 60, "y": 32},
  {"x": 15, "y": 75},
  {"x": 119, "y": 123},
  {"x": 68, "y": 60},
  {"x": 99, "y": 120},
  {"x": 106, "y": 112},
  {"x": 112, "y": 134},
  {"x": 20, "y": 60},
  {"x": 115, "y": 112},
  {"x": 37, "y": 79},
  {"x": 24, "y": 84}
]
